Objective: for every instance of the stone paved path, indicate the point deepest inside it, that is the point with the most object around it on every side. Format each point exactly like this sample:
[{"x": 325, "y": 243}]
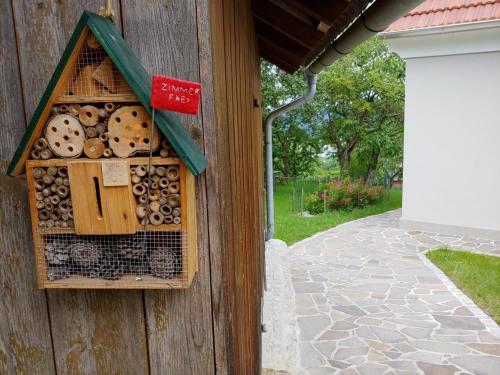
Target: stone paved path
[{"x": 368, "y": 302}]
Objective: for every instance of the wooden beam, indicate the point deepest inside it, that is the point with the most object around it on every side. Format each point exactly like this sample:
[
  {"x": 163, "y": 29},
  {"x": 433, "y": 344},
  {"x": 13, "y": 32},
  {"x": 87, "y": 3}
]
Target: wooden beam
[
  {"x": 284, "y": 65},
  {"x": 324, "y": 11},
  {"x": 277, "y": 50},
  {"x": 286, "y": 23},
  {"x": 295, "y": 50}
]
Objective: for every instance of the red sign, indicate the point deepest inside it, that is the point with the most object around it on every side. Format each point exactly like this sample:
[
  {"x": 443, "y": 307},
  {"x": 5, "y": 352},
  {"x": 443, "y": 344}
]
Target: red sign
[{"x": 175, "y": 95}]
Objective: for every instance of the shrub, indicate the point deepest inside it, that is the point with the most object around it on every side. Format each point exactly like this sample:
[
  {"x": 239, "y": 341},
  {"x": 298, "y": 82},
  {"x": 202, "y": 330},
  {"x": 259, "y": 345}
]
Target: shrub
[{"x": 343, "y": 195}]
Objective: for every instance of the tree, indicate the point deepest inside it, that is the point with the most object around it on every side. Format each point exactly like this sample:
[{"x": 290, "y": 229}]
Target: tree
[
  {"x": 296, "y": 147},
  {"x": 360, "y": 103}
]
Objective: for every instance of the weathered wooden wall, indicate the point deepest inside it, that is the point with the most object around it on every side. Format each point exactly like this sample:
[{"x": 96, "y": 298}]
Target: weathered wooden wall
[{"x": 214, "y": 327}]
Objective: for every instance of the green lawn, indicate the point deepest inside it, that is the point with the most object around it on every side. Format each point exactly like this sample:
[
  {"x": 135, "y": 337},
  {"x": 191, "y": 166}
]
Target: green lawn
[
  {"x": 291, "y": 227},
  {"x": 477, "y": 275}
]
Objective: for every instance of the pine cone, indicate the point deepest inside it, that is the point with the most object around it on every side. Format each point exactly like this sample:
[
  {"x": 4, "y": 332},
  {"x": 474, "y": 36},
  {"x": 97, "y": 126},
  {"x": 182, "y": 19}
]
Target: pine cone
[
  {"x": 57, "y": 252},
  {"x": 85, "y": 254},
  {"x": 110, "y": 267},
  {"x": 163, "y": 263},
  {"x": 57, "y": 273},
  {"x": 132, "y": 248}
]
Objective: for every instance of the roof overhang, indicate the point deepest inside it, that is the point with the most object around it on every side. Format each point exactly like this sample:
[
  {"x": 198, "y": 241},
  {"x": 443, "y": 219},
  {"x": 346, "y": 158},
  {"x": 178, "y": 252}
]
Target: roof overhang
[{"x": 292, "y": 33}]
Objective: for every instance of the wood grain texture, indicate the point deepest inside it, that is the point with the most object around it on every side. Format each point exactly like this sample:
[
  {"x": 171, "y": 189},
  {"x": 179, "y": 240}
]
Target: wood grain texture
[
  {"x": 100, "y": 209},
  {"x": 11, "y": 115},
  {"x": 164, "y": 35},
  {"x": 25, "y": 346},
  {"x": 93, "y": 332},
  {"x": 98, "y": 332},
  {"x": 233, "y": 137}
]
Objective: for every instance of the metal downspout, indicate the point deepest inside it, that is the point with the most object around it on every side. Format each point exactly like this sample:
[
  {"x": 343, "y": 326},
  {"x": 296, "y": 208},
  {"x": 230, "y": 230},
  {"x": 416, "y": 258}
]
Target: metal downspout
[{"x": 268, "y": 124}]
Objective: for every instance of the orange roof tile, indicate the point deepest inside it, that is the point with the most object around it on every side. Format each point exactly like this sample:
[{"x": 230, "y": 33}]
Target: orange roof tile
[{"x": 447, "y": 12}]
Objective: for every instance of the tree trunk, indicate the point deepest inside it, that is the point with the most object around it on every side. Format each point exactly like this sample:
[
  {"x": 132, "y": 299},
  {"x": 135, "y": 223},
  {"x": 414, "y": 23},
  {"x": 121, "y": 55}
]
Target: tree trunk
[{"x": 372, "y": 166}]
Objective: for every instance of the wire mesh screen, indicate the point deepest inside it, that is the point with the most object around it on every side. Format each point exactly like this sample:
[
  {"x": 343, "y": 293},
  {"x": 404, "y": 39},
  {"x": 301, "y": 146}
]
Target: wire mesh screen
[
  {"x": 53, "y": 197},
  {"x": 94, "y": 74},
  {"x": 152, "y": 257}
]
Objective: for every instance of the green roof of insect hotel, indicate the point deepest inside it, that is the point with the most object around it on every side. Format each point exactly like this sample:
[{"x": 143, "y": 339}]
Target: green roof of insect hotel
[{"x": 139, "y": 81}]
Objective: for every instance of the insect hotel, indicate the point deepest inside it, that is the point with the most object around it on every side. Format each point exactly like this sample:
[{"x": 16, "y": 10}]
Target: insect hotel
[{"x": 111, "y": 193}]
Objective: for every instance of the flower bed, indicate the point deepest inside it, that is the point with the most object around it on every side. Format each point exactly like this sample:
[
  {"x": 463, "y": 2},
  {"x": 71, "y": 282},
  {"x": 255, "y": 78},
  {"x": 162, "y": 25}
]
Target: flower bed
[{"x": 343, "y": 195}]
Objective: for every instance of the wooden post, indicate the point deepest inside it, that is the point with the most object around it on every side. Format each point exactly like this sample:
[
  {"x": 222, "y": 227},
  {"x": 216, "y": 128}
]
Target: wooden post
[
  {"x": 302, "y": 203},
  {"x": 324, "y": 200}
]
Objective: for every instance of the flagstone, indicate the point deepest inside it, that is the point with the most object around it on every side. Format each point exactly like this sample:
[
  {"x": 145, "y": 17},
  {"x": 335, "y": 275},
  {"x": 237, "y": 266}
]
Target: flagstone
[{"x": 368, "y": 302}]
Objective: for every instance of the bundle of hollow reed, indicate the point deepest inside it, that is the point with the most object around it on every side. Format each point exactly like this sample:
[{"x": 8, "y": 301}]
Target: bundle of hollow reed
[
  {"x": 53, "y": 197},
  {"x": 163, "y": 204}
]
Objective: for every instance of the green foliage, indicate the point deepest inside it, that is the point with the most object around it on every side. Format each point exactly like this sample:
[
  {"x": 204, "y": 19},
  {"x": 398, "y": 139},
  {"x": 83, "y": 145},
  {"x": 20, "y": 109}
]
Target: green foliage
[
  {"x": 361, "y": 101},
  {"x": 477, "y": 275},
  {"x": 343, "y": 195},
  {"x": 295, "y": 144},
  {"x": 291, "y": 227}
]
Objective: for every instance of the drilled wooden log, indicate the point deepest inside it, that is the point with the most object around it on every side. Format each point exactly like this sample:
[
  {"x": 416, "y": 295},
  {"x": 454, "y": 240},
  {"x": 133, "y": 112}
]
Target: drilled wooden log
[
  {"x": 65, "y": 136},
  {"x": 89, "y": 115},
  {"x": 93, "y": 148}
]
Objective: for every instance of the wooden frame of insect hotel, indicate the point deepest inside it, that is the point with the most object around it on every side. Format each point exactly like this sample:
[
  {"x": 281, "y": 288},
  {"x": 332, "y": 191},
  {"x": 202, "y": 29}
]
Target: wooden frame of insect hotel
[{"x": 106, "y": 214}]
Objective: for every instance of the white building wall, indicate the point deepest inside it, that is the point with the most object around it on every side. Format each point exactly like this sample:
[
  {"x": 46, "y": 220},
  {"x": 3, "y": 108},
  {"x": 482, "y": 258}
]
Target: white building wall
[{"x": 452, "y": 141}]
